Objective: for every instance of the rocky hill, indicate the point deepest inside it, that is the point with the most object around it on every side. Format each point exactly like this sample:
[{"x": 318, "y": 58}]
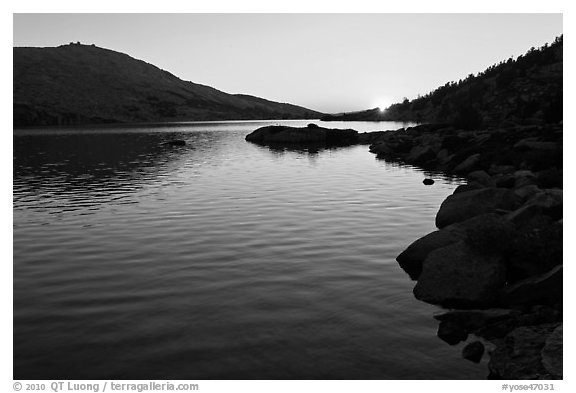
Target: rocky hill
[
  {"x": 525, "y": 90},
  {"x": 81, "y": 84}
]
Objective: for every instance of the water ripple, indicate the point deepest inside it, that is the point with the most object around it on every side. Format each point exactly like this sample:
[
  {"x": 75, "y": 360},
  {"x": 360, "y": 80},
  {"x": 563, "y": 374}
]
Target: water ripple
[{"x": 223, "y": 259}]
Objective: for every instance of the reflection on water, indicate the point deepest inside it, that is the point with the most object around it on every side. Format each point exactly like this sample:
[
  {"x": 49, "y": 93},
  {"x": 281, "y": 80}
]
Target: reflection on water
[{"x": 217, "y": 260}]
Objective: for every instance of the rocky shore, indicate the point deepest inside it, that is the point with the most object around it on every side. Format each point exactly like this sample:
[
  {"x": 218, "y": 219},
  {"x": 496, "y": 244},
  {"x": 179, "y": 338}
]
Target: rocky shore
[
  {"x": 496, "y": 258},
  {"x": 495, "y": 262}
]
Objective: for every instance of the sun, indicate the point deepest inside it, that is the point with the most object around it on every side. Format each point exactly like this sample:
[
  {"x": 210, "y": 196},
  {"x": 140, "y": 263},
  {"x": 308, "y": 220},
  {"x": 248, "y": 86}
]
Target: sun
[{"x": 382, "y": 103}]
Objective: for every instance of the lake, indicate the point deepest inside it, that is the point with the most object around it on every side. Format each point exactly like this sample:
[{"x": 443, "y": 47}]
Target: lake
[{"x": 220, "y": 259}]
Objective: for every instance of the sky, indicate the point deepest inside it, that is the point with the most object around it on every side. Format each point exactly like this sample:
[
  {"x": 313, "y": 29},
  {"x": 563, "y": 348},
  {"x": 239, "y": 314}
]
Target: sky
[{"x": 326, "y": 62}]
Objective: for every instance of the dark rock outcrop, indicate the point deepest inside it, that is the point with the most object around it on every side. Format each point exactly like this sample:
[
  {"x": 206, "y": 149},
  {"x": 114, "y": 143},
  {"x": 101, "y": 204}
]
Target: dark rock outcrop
[
  {"x": 519, "y": 355},
  {"x": 412, "y": 258},
  {"x": 543, "y": 289},
  {"x": 473, "y": 351},
  {"x": 552, "y": 353},
  {"x": 461, "y": 206},
  {"x": 451, "y": 333},
  {"x": 305, "y": 136},
  {"x": 458, "y": 276}
]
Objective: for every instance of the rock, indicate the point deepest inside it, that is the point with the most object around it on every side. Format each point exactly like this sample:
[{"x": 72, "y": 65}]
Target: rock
[
  {"x": 288, "y": 136},
  {"x": 472, "y": 320},
  {"x": 541, "y": 208},
  {"x": 549, "y": 178},
  {"x": 501, "y": 169},
  {"x": 539, "y": 314},
  {"x": 536, "y": 249},
  {"x": 451, "y": 333},
  {"x": 482, "y": 178},
  {"x": 495, "y": 323},
  {"x": 541, "y": 289},
  {"x": 473, "y": 351},
  {"x": 382, "y": 149},
  {"x": 522, "y": 178},
  {"x": 444, "y": 156},
  {"x": 175, "y": 142},
  {"x": 519, "y": 354},
  {"x": 532, "y": 144},
  {"x": 504, "y": 180},
  {"x": 420, "y": 155},
  {"x": 466, "y": 187},
  {"x": 552, "y": 353},
  {"x": 469, "y": 164},
  {"x": 528, "y": 216},
  {"x": 550, "y": 201},
  {"x": 428, "y": 182},
  {"x": 412, "y": 258},
  {"x": 457, "y": 276},
  {"x": 464, "y": 205},
  {"x": 526, "y": 191}
]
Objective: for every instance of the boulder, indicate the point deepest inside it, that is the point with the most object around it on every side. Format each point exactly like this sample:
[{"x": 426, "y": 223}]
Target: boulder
[
  {"x": 550, "y": 178},
  {"x": 504, "y": 180},
  {"x": 519, "y": 354},
  {"x": 466, "y": 187},
  {"x": 458, "y": 276},
  {"x": 472, "y": 320},
  {"x": 522, "y": 178},
  {"x": 444, "y": 156},
  {"x": 529, "y": 216},
  {"x": 469, "y": 164},
  {"x": 532, "y": 144},
  {"x": 428, "y": 182},
  {"x": 536, "y": 249},
  {"x": 495, "y": 323},
  {"x": 542, "y": 289},
  {"x": 552, "y": 353},
  {"x": 464, "y": 205},
  {"x": 473, "y": 351},
  {"x": 527, "y": 191},
  {"x": 451, "y": 333},
  {"x": 412, "y": 258},
  {"x": 501, "y": 169},
  {"x": 420, "y": 155},
  {"x": 482, "y": 178},
  {"x": 381, "y": 149},
  {"x": 550, "y": 201}
]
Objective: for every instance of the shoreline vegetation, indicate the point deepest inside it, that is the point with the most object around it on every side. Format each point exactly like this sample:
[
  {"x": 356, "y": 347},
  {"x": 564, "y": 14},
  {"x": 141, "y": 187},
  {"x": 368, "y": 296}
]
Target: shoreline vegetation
[
  {"x": 495, "y": 262},
  {"x": 525, "y": 90}
]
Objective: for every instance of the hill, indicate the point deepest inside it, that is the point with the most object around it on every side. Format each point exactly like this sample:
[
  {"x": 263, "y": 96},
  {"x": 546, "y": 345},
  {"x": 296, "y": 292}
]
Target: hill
[
  {"x": 82, "y": 84},
  {"x": 526, "y": 90}
]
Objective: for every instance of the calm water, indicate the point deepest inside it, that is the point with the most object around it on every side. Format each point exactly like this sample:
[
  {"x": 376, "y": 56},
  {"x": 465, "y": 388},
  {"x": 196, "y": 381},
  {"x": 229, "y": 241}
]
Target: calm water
[{"x": 218, "y": 260}]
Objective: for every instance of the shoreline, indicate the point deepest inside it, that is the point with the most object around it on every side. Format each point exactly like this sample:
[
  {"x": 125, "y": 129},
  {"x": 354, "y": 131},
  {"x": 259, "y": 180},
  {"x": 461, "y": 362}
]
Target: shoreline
[
  {"x": 496, "y": 259},
  {"x": 495, "y": 262}
]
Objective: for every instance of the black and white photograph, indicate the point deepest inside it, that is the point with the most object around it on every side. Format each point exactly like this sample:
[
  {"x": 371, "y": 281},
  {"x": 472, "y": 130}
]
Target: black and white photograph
[{"x": 241, "y": 196}]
